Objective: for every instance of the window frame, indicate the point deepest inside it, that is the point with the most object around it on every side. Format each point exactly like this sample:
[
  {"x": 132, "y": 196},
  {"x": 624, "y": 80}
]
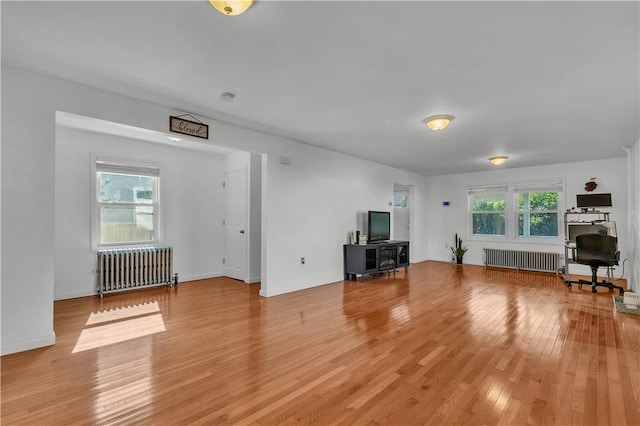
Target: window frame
[
  {"x": 487, "y": 190},
  {"x": 100, "y": 164},
  {"x": 512, "y": 212},
  {"x": 528, "y": 213},
  {"x": 532, "y": 187}
]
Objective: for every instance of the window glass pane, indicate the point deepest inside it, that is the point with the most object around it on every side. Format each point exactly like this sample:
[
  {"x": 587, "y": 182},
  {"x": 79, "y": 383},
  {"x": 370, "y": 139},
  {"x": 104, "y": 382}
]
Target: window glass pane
[
  {"x": 532, "y": 224},
  {"x": 488, "y": 202},
  {"x": 126, "y": 224},
  {"x": 540, "y": 224},
  {"x": 125, "y": 188},
  {"x": 400, "y": 201},
  {"x": 488, "y": 223},
  {"x": 538, "y": 201}
]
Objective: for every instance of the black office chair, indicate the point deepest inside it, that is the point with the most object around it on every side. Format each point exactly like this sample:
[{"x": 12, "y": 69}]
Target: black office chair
[{"x": 597, "y": 250}]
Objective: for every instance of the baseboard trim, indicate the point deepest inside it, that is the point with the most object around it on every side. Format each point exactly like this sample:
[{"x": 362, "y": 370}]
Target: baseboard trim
[
  {"x": 198, "y": 277},
  {"x": 28, "y": 344},
  {"x": 73, "y": 295},
  {"x": 94, "y": 292}
]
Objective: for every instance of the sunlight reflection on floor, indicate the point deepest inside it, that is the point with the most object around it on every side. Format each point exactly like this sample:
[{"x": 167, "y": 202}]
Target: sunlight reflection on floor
[
  {"x": 124, "y": 312},
  {"x": 122, "y": 324}
]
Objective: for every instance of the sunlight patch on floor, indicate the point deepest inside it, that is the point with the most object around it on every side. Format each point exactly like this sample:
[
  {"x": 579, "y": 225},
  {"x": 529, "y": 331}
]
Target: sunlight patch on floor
[
  {"x": 124, "y": 312},
  {"x": 120, "y": 331}
]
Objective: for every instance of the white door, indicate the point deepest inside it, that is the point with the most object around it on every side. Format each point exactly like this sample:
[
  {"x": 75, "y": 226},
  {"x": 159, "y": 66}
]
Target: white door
[
  {"x": 401, "y": 212},
  {"x": 401, "y": 224},
  {"x": 235, "y": 224}
]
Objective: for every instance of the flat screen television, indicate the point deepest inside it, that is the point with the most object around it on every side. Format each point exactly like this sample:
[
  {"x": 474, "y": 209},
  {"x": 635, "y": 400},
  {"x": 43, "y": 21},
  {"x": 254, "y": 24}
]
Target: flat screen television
[
  {"x": 378, "y": 226},
  {"x": 593, "y": 200}
]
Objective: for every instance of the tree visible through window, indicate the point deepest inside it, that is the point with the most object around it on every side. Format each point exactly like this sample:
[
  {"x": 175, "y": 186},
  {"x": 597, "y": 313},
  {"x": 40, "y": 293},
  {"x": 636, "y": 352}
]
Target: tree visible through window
[
  {"x": 488, "y": 214},
  {"x": 522, "y": 209},
  {"x": 537, "y": 214}
]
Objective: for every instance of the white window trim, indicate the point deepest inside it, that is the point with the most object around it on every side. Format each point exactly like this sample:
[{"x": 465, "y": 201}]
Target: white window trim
[
  {"x": 499, "y": 188},
  {"x": 539, "y": 185},
  {"x": 511, "y": 191},
  {"x": 135, "y": 166}
]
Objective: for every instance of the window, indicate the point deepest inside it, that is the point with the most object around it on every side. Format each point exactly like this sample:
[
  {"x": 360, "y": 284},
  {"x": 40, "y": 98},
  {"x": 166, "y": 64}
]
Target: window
[
  {"x": 519, "y": 210},
  {"x": 537, "y": 208},
  {"x": 400, "y": 200},
  {"x": 538, "y": 214},
  {"x": 127, "y": 203},
  {"x": 488, "y": 210}
]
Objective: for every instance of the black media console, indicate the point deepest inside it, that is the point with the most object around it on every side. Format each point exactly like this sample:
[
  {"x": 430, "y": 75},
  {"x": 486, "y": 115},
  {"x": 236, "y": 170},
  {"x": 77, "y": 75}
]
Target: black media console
[{"x": 363, "y": 259}]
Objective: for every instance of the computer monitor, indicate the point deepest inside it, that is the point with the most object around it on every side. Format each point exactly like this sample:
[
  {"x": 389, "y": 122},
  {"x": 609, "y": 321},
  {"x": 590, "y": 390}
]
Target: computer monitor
[
  {"x": 593, "y": 200},
  {"x": 575, "y": 229}
]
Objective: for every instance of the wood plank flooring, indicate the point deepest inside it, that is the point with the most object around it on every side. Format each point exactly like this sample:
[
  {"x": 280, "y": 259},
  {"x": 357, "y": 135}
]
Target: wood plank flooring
[{"x": 442, "y": 345}]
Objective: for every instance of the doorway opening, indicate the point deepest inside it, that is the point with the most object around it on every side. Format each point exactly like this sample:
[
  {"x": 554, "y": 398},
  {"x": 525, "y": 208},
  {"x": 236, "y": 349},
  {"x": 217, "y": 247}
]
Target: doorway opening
[{"x": 402, "y": 207}]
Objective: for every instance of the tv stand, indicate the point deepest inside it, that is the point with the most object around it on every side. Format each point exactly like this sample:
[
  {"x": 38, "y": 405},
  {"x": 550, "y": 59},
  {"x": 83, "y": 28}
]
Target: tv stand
[{"x": 375, "y": 258}]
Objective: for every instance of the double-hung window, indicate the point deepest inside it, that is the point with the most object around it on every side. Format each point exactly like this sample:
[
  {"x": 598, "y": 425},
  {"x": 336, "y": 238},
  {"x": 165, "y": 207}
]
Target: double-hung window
[
  {"x": 517, "y": 210},
  {"x": 536, "y": 205},
  {"x": 488, "y": 213},
  {"x": 127, "y": 203}
]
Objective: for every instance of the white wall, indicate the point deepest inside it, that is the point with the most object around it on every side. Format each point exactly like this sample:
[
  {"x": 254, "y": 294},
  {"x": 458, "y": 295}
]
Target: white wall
[
  {"x": 27, "y": 215},
  {"x": 255, "y": 218},
  {"x": 315, "y": 202},
  {"x": 191, "y": 206},
  {"x": 308, "y": 206},
  {"x": 444, "y": 222},
  {"x": 634, "y": 217}
]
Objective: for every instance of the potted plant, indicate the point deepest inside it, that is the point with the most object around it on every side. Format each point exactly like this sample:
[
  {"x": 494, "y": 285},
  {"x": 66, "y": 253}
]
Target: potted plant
[{"x": 459, "y": 250}]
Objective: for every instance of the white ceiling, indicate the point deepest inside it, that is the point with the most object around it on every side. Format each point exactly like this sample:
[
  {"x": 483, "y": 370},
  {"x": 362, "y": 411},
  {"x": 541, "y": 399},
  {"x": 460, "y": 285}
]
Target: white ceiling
[{"x": 540, "y": 82}]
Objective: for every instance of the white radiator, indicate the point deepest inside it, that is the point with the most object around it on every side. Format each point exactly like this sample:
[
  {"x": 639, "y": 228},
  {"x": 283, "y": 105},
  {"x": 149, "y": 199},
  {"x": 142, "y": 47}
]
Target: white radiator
[
  {"x": 522, "y": 260},
  {"x": 133, "y": 268}
]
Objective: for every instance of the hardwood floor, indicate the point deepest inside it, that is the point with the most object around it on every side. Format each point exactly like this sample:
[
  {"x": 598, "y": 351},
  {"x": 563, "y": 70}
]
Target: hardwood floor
[{"x": 442, "y": 345}]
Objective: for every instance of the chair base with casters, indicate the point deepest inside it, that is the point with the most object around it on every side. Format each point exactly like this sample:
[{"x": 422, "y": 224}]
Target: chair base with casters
[
  {"x": 595, "y": 283},
  {"x": 596, "y": 250}
]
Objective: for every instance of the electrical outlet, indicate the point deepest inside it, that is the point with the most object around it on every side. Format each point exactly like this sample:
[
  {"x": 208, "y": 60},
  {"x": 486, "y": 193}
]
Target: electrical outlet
[{"x": 302, "y": 260}]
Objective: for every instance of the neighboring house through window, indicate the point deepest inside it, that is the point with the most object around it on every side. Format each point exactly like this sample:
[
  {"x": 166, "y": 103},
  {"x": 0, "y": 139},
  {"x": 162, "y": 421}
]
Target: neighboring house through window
[{"x": 127, "y": 203}]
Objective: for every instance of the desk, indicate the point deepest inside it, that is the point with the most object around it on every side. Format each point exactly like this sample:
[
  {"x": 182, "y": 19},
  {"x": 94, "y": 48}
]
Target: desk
[{"x": 577, "y": 223}]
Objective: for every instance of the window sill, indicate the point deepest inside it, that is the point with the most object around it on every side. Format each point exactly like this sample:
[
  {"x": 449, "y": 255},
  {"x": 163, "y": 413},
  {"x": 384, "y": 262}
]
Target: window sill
[
  {"x": 487, "y": 238},
  {"x": 540, "y": 240},
  {"x": 519, "y": 240},
  {"x": 127, "y": 245}
]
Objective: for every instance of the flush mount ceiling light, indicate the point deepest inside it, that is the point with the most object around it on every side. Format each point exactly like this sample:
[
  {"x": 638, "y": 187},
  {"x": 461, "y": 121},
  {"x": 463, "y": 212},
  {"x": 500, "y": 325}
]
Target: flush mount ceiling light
[
  {"x": 173, "y": 139},
  {"x": 231, "y": 8},
  {"x": 496, "y": 161},
  {"x": 227, "y": 96},
  {"x": 438, "y": 122}
]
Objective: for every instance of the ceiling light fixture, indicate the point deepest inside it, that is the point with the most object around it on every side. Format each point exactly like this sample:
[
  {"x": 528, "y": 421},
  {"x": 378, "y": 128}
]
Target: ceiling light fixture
[
  {"x": 438, "y": 122},
  {"x": 231, "y": 8},
  {"x": 496, "y": 161},
  {"x": 173, "y": 139},
  {"x": 227, "y": 96}
]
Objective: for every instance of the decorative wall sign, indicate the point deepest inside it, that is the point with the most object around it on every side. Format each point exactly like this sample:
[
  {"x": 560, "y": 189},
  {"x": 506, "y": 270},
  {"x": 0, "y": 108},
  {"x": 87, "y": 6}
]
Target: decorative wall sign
[
  {"x": 188, "y": 127},
  {"x": 591, "y": 185}
]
